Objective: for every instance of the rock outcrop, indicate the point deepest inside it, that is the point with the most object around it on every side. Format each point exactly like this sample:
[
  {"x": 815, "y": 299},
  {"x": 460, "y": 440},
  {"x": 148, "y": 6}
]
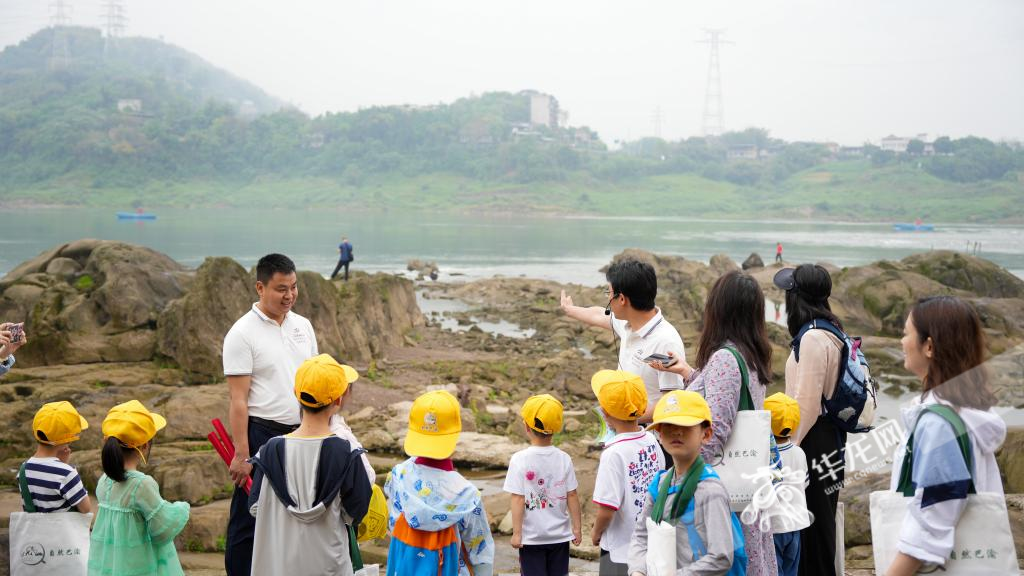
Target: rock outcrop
[{"x": 102, "y": 301}]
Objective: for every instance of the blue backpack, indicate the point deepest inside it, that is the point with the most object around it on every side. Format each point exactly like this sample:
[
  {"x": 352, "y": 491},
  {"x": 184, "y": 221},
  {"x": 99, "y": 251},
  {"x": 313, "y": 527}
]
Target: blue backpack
[
  {"x": 658, "y": 492},
  {"x": 854, "y": 388}
]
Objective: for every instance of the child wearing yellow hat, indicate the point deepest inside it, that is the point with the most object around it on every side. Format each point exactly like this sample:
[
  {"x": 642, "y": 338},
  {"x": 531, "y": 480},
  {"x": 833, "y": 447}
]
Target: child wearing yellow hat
[
  {"x": 542, "y": 482},
  {"x": 48, "y": 483},
  {"x": 629, "y": 462},
  {"x": 689, "y": 491},
  {"x": 310, "y": 489},
  {"x": 787, "y": 523},
  {"x": 437, "y": 519},
  {"x": 135, "y": 527}
]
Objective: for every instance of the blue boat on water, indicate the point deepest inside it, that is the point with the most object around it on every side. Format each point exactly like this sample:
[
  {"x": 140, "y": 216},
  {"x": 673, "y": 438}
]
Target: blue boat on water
[
  {"x": 913, "y": 227},
  {"x": 135, "y": 216}
]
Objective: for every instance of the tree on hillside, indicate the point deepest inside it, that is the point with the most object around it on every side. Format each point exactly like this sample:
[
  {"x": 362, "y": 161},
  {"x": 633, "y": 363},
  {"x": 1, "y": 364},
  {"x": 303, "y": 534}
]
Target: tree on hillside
[{"x": 915, "y": 147}]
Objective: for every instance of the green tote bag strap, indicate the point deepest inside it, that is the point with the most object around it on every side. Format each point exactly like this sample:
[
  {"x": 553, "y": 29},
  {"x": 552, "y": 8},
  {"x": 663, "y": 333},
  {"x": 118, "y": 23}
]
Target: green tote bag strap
[
  {"x": 746, "y": 402},
  {"x": 905, "y": 485},
  {"x": 26, "y": 496}
]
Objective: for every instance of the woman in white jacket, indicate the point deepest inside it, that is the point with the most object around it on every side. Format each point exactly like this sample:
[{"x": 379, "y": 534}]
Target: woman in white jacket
[{"x": 944, "y": 346}]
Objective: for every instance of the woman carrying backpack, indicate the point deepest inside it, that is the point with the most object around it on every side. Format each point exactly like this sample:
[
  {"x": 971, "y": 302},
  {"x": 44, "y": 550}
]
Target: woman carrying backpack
[
  {"x": 814, "y": 376},
  {"x": 944, "y": 346},
  {"x": 733, "y": 318}
]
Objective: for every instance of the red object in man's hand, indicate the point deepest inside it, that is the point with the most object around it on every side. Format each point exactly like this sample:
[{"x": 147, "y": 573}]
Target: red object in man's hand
[{"x": 223, "y": 445}]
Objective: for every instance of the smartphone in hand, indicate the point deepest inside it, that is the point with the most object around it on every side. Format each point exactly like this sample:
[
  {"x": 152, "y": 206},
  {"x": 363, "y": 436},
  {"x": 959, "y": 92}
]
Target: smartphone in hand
[
  {"x": 665, "y": 359},
  {"x": 17, "y": 332}
]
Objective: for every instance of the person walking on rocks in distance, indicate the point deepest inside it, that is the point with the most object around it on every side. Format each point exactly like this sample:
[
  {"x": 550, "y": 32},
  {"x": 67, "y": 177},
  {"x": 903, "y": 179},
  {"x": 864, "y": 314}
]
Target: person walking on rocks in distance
[
  {"x": 640, "y": 326},
  {"x": 808, "y": 380},
  {"x": 262, "y": 352},
  {"x": 778, "y": 251},
  {"x": 345, "y": 257},
  {"x": 944, "y": 346}
]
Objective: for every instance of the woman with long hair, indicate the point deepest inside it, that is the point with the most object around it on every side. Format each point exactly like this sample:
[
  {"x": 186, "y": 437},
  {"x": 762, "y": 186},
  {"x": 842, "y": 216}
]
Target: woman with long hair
[
  {"x": 809, "y": 378},
  {"x": 944, "y": 346},
  {"x": 733, "y": 318}
]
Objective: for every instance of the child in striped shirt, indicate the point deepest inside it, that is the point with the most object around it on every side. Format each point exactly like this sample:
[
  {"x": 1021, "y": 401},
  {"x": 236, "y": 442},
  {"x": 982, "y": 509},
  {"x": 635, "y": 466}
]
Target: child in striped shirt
[{"x": 48, "y": 482}]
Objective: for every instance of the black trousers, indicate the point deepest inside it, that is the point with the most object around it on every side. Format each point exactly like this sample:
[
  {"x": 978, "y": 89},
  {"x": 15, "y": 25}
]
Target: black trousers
[
  {"x": 241, "y": 524},
  {"x": 609, "y": 568},
  {"x": 339, "y": 266},
  {"x": 544, "y": 559},
  {"x": 825, "y": 473}
]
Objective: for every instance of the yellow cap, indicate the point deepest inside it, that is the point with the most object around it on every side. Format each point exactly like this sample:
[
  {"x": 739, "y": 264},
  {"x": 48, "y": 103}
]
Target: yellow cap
[
  {"x": 58, "y": 423},
  {"x": 434, "y": 425},
  {"x": 785, "y": 414},
  {"x": 542, "y": 413},
  {"x": 132, "y": 424},
  {"x": 622, "y": 394},
  {"x": 681, "y": 408},
  {"x": 321, "y": 380},
  {"x": 375, "y": 524}
]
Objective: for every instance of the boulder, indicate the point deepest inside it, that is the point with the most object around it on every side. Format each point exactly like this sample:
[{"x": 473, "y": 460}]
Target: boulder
[
  {"x": 721, "y": 264},
  {"x": 968, "y": 273},
  {"x": 205, "y": 531},
  {"x": 753, "y": 261},
  {"x": 191, "y": 329},
  {"x": 63, "y": 267}
]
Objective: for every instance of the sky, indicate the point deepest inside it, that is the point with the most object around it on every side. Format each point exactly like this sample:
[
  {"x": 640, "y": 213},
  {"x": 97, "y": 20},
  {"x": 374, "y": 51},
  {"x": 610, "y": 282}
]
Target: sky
[{"x": 819, "y": 70}]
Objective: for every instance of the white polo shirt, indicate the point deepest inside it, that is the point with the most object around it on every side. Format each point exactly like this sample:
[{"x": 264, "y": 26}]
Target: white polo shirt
[
  {"x": 656, "y": 336},
  {"x": 270, "y": 353}
]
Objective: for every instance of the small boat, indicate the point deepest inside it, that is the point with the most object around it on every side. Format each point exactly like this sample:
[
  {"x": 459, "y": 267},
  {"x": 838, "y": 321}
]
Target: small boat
[
  {"x": 135, "y": 216},
  {"x": 916, "y": 226}
]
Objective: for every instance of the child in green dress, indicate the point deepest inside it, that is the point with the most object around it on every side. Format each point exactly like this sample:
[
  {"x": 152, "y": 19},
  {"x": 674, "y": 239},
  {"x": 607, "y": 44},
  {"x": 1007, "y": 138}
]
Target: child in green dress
[{"x": 135, "y": 527}]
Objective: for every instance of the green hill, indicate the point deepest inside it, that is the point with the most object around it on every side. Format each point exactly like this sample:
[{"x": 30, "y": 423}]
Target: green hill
[{"x": 142, "y": 122}]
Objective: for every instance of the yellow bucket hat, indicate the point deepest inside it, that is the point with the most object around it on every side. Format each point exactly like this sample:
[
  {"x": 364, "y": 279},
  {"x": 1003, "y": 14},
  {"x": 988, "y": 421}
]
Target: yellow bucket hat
[
  {"x": 58, "y": 423},
  {"x": 622, "y": 394},
  {"x": 542, "y": 413},
  {"x": 132, "y": 424},
  {"x": 785, "y": 413},
  {"x": 321, "y": 380},
  {"x": 435, "y": 422},
  {"x": 680, "y": 408}
]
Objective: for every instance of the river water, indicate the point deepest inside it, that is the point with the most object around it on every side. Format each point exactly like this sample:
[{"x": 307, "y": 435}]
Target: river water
[{"x": 470, "y": 246}]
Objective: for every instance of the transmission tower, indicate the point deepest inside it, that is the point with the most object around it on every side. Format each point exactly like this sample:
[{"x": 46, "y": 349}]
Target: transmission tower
[
  {"x": 60, "y": 56},
  {"x": 656, "y": 119},
  {"x": 114, "y": 22},
  {"x": 713, "y": 124}
]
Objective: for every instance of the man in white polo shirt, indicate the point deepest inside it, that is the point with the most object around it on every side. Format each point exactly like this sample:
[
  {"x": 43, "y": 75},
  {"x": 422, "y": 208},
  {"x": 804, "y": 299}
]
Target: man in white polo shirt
[
  {"x": 262, "y": 352},
  {"x": 639, "y": 325}
]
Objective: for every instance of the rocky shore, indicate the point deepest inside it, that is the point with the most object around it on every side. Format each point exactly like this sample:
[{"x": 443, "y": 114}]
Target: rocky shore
[{"x": 109, "y": 321}]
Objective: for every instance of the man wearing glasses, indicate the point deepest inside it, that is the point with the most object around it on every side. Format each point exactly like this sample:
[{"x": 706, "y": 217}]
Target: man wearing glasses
[{"x": 639, "y": 325}]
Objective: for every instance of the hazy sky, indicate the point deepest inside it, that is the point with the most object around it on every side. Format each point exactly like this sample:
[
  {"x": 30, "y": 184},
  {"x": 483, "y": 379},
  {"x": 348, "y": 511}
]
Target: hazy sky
[{"x": 804, "y": 69}]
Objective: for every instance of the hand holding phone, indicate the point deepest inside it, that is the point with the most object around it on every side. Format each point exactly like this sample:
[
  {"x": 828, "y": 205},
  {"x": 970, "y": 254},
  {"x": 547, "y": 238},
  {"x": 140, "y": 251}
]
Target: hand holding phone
[
  {"x": 665, "y": 359},
  {"x": 17, "y": 332}
]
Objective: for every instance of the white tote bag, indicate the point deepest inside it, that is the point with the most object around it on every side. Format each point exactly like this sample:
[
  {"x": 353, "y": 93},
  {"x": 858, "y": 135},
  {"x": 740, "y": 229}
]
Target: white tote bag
[
  {"x": 661, "y": 548},
  {"x": 747, "y": 457},
  {"x": 744, "y": 467},
  {"x": 54, "y": 544},
  {"x": 983, "y": 543}
]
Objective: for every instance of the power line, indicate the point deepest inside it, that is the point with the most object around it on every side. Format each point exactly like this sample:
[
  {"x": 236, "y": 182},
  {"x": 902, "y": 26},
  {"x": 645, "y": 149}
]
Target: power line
[{"x": 714, "y": 110}]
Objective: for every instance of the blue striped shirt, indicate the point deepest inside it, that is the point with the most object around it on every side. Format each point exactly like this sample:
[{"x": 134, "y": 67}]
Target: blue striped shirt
[{"x": 54, "y": 485}]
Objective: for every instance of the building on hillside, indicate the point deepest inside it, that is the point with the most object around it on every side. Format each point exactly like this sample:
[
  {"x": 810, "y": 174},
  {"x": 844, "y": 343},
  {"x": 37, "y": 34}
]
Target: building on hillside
[
  {"x": 749, "y": 152},
  {"x": 544, "y": 110},
  {"x": 129, "y": 106},
  {"x": 897, "y": 144}
]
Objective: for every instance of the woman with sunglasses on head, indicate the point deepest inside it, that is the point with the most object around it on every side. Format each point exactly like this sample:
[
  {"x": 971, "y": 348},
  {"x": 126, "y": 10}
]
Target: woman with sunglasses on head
[
  {"x": 809, "y": 379},
  {"x": 944, "y": 346}
]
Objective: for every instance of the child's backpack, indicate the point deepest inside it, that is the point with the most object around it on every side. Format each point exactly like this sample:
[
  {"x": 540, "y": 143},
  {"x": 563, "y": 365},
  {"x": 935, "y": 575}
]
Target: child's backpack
[
  {"x": 659, "y": 488},
  {"x": 852, "y": 405},
  {"x": 421, "y": 553}
]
